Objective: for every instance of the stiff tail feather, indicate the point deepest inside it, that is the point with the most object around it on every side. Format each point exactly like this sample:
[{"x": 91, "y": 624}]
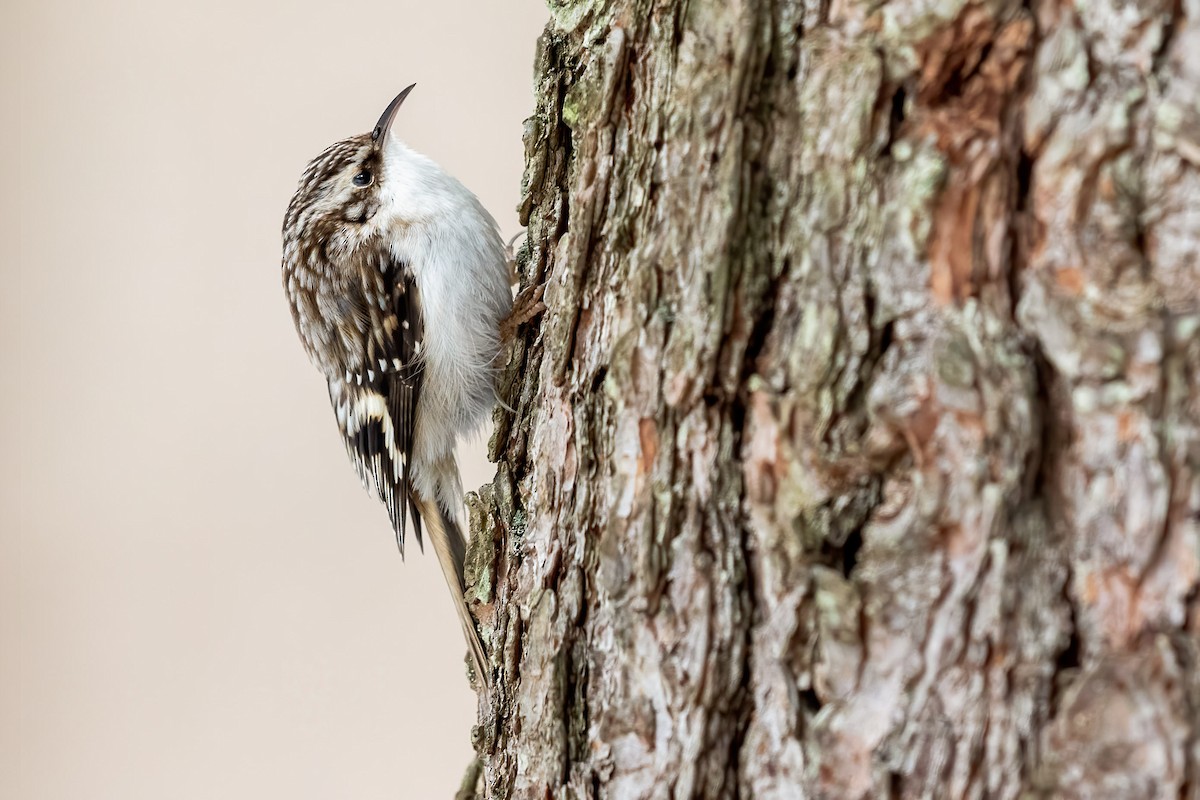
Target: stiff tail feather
[{"x": 451, "y": 548}]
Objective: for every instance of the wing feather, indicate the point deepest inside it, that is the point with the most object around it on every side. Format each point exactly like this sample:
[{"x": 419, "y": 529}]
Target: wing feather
[{"x": 376, "y": 399}]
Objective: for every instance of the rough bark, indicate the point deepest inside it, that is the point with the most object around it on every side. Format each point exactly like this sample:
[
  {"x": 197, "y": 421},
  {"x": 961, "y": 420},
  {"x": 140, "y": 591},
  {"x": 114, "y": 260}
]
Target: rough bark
[{"x": 856, "y": 452}]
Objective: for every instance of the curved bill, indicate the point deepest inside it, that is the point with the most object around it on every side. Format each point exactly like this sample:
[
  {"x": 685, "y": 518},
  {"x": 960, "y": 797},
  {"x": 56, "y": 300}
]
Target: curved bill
[{"x": 389, "y": 114}]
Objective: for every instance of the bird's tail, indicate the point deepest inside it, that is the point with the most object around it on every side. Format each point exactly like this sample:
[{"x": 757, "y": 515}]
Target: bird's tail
[{"x": 451, "y": 548}]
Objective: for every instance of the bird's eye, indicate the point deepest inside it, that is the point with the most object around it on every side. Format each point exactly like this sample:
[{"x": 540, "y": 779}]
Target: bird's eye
[{"x": 363, "y": 178}]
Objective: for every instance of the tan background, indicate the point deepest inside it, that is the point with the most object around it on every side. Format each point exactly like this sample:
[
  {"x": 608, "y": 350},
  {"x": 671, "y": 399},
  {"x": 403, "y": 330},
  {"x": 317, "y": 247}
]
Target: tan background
[{"x": 197, "y": 599}]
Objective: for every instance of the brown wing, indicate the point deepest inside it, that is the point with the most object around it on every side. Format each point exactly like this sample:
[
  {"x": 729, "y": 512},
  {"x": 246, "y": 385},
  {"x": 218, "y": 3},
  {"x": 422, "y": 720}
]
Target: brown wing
[{"x": 376, "y": 399}]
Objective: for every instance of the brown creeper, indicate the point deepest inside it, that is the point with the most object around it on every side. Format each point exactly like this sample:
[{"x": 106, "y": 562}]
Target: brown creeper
[{"x": 398, "y": 285}]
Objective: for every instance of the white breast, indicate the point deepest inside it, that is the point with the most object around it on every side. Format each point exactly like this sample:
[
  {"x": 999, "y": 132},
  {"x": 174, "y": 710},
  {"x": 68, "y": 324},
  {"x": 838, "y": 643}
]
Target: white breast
[{"x": 454, "y": 248}]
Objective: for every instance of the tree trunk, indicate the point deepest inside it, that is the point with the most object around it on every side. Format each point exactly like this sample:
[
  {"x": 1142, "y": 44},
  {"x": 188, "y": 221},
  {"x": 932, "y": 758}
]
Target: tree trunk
[{"x": 856, "y": 453}]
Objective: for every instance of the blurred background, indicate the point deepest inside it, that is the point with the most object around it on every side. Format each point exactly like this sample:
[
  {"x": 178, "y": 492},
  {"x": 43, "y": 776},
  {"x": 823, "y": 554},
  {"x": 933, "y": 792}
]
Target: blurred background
[{"x": 197, "y": 598}]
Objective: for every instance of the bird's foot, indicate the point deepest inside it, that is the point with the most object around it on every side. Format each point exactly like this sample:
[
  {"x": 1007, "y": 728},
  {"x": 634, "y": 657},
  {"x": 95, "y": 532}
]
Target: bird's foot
[{"x": 526, "y": 306}]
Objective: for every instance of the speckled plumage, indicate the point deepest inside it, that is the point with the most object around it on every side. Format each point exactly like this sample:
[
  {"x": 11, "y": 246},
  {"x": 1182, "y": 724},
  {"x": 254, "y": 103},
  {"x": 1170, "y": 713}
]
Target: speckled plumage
[{"x": 398, "y": 287}]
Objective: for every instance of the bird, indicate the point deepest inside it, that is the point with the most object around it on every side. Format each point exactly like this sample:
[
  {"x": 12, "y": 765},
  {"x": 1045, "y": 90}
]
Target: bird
[{"x": 399, "y": 286}]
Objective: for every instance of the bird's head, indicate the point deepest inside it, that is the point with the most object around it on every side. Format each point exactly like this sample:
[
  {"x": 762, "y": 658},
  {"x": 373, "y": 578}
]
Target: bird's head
[{"x": 338, "y": 201}]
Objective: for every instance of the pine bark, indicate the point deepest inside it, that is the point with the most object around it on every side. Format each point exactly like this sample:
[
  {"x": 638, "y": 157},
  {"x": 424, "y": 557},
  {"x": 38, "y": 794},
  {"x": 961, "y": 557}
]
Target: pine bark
[{"x": 856, "y": 453}]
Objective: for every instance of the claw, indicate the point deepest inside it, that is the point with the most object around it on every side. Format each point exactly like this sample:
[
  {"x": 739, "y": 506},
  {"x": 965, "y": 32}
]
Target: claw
[{"x": 510, "y": 256}]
